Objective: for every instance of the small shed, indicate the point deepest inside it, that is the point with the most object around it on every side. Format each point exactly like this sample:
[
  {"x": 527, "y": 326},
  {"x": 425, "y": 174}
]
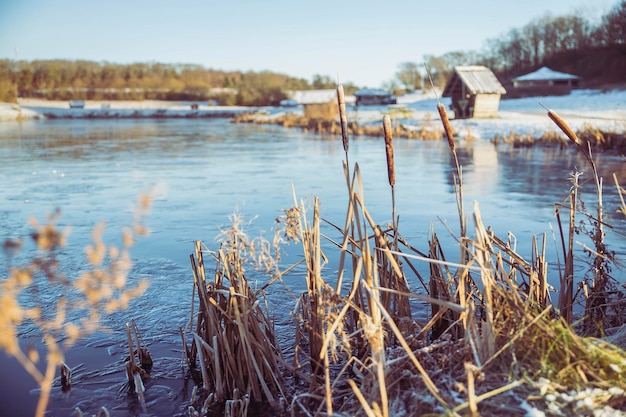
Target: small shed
[
  {"x": 545, "y": 81},
  {"x": 77, "y": 104},
  {"x": 304, "y": 97},
  {"x": 374, "y": 97},
  {"x": 475, "y": 92}
]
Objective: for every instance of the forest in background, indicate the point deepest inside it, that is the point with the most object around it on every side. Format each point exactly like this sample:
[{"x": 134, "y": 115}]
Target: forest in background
[{"x": 570, "y": 43}]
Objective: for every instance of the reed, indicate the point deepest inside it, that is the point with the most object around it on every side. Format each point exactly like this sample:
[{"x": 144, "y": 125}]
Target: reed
[
  {"x": 343, "y": 118},
  {"x": 234, "y": 347},
  {"x": 596, "y": 302}
]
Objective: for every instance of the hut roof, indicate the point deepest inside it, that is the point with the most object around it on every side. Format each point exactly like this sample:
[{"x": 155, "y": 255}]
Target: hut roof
[
  {"x": 477, "y": 79},
  {"x": 314, "y": 96},
  {"x": 545, "y": 73}
]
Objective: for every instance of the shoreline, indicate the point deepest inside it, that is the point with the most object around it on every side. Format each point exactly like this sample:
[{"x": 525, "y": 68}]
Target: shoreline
[
  {"x": 30, "y": 108},
  {"x": 602, "y": 110}
]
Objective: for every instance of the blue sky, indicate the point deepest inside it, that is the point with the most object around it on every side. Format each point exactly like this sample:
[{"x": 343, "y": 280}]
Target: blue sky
[{"x": 361, "y": 41}]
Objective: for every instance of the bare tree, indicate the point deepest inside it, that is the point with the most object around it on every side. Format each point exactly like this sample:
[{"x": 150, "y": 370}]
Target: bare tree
[
  {"x": 613, "y": 28},
  {"x": 409, "y": 75},
  {"x": 439, "y": 70}
]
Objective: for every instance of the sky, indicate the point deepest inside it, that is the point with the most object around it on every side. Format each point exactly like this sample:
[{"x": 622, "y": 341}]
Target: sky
[{"x": 360, "y": 41}]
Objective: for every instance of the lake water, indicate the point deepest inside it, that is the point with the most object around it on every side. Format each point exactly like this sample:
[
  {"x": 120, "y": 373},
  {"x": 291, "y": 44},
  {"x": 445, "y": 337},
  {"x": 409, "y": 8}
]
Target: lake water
[{"x": 200, "y": 172}]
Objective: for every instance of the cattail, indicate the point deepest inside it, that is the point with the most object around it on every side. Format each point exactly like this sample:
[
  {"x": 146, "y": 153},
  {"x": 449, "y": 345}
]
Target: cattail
[
  {"x": 562, "y": 125},
  {"x": 446, "y": 125},
  {"x": 341, "y": 100},
  {"x": 389, "y": 149}
]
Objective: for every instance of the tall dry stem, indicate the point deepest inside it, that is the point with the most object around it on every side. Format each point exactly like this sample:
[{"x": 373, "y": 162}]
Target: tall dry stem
[{"x": 595, "y": 308}]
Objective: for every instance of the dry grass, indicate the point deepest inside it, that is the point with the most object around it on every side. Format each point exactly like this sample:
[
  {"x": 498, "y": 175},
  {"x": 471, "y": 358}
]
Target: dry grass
[
  {"x": 600, "y": 140},
  {"x": 493, "y": 342},
  {"x": 423, "y": 131}
]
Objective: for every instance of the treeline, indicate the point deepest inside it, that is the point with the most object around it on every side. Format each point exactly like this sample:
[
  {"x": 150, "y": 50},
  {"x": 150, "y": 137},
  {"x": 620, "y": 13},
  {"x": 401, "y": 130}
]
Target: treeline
[
  {"x": 88, "y": 80},
  {"x": 595, "y": 51}
]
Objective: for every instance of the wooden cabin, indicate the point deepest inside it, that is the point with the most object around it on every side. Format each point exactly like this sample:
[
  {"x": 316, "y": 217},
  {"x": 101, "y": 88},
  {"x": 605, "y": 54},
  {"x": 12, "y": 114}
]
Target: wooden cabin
[
  {"x": 475, "y": 92},
  {"x": 374, "y": 97},
  {"x": 544, "y": 81}
]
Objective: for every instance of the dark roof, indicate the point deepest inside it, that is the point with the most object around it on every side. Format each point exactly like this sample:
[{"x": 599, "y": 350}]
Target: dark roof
[
  {"x": 372, "y": 92},
  {"x": 476, "y": 78}
]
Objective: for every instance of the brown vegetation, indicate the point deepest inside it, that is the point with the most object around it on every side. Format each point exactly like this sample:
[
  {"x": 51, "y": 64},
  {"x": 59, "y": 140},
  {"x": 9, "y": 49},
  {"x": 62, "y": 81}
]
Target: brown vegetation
[
  {"x": 493, "y": 341},
  {"x": 600, "y": 140},
  {"x": 332, "y": 127}
]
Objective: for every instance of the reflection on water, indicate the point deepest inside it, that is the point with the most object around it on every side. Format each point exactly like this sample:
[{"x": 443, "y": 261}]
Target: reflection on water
[{"x": 203, "y": 170}]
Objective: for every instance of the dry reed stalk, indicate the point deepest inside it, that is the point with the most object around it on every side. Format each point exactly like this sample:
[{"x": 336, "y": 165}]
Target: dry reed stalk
[
  {"x": 432, "y": 388},
  {"x": 471, "y": 393},
  {"x": 621, "y": 192},
  {"x": 391, "y": 173},
  {"x": 595, "y": 308},
  {"x": 566, "y": 292},
  {"x": 66, "y": 377},
  {"x": 134, "y": 372},
  {"x": 464, "y": 281},
  {"x": 482, "y": 255},
  {"x": 236, "y": 347},
  {"x": 372, "y": 325},
  {"x": 317, "y": 304},
  {"x": 478, "y": 398},
  {"x": 538, "y": 278},
  {"x": 392, "y": 276},
  {"x": 359, "y": 395},
  {"x": 343, "y": 118},
  {"x": 439, "y": 289}
]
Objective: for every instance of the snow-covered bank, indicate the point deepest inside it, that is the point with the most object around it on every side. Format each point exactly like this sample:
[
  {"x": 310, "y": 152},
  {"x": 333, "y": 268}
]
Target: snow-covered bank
[
  {"x": 603, "y": 110},
  {"x": 581, "y": 108},
  {"x": 14, "y": 112}
]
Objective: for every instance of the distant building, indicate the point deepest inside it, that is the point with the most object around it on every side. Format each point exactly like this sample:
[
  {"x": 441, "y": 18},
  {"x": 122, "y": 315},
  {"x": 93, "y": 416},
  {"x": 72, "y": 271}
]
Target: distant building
[
  {"x": 374, "y": 97},
  {"x": 313, "y": 96},
  {"x": 475, "y": 92},
  {"x": 77, "y": 104},
  {"x": 288, "y": 103},
  {"x": 545, "y": 81}
]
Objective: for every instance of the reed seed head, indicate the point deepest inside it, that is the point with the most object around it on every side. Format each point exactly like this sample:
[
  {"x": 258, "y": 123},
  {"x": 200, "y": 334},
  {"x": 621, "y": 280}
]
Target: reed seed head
[
  {"x": 446, "y": 125},
  {"x": 389, "y": 150},
  {"x": 341, "y": 101},
  {"x": 563, "y": 126}
]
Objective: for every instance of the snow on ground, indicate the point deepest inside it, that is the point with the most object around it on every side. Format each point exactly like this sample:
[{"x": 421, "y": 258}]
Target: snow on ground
[
  {"x": 605, "y": 110},
  {"x": 596, "y": 108},
  {"x": 15, "y": 112}
]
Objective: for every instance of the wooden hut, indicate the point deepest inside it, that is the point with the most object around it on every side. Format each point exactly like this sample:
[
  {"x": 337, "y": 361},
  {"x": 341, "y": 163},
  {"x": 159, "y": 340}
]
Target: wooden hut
[
  {"x": 77, "y": 104},
  {"x": 475, "y": 92},
  {"x": 544, "y": 81},
  {"x": 374, "y": 97}
]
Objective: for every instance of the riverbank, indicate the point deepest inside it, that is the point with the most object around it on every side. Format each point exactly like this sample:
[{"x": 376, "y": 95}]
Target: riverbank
[
  {"x": 415, "y": 115},
  {"x": 60, "y": 109}
]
